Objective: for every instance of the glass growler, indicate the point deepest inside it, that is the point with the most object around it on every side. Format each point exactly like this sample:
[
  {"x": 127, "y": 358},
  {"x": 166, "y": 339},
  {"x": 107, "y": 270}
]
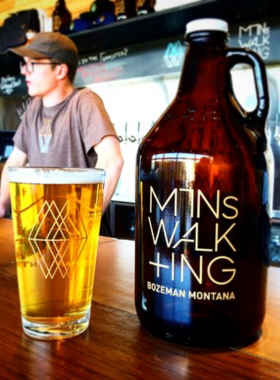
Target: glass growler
[{"x": 202, "y": 204}]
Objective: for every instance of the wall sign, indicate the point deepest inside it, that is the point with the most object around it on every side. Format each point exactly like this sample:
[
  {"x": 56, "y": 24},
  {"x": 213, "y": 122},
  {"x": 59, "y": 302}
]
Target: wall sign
[
  {"x": 9, "y": 85},
  {"x": 150, "y": 59},
  {"x": 166, "y": 56},
  {"x": 262, "y": 36}
]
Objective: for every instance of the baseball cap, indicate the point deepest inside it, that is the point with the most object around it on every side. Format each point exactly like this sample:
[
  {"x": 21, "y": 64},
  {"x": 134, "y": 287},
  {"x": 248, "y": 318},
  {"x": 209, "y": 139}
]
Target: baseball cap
[{"x": 51, "y": 45}]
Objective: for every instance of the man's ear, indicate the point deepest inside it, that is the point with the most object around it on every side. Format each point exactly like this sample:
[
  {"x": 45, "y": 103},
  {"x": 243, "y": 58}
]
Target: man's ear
[{"x": 62, "y": 71}]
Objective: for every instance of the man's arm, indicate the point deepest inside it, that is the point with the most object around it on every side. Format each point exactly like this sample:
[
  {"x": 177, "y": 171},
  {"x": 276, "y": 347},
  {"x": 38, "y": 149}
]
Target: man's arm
[
  {"x": 17, "y": 158},
  {"x": 109, "y": 158}
]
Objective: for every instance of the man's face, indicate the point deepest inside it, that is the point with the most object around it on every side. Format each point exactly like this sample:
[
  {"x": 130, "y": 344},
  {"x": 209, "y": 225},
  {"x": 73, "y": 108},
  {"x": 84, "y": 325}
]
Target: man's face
[{"x": 40, "y": 76}]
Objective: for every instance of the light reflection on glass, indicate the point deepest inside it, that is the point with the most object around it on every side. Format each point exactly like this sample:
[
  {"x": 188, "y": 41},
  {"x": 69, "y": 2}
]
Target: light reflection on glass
[{"x": 181, "y": 168}]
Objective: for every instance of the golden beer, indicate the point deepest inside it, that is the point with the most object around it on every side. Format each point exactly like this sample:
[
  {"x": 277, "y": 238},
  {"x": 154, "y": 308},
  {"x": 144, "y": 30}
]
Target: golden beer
[{"x": 56, "y": 219}]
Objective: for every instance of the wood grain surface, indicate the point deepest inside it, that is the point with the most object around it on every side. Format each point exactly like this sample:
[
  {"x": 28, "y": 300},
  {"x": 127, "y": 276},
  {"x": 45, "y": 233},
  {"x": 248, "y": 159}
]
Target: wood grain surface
[{"x": 116, "y": 346}]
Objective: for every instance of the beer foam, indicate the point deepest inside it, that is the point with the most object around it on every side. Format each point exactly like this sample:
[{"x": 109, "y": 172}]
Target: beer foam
[{"x": 55, "y": 176}]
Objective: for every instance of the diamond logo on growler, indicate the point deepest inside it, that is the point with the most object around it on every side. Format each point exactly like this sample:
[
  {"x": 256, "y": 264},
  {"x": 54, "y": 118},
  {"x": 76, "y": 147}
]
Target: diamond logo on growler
[{"x": 202, "y": 202}]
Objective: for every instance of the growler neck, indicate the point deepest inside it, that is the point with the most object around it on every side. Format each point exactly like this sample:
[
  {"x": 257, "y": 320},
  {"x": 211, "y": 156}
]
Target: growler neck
[
  {"x": 207, "y": 40},
  {"x": 203, "y": 67}
]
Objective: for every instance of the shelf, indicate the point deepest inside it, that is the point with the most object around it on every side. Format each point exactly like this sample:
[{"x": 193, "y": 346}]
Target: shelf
[
  {"x": 169, "y": 23},
  {"x": 158, "y": 25}
]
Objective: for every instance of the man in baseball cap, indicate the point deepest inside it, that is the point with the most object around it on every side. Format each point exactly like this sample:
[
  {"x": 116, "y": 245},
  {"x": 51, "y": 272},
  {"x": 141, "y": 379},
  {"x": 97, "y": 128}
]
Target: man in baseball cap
[
  {"x": 62, "y": 126},
  {"x": 55, "y": 47}
]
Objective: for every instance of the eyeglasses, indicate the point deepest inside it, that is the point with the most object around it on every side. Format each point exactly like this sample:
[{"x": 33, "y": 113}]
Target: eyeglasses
[{"x": 29, "y": 66}]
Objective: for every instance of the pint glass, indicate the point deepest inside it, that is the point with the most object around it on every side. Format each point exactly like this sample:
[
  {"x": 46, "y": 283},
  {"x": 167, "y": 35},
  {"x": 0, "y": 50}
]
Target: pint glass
[{"x": 56, "y": 219}]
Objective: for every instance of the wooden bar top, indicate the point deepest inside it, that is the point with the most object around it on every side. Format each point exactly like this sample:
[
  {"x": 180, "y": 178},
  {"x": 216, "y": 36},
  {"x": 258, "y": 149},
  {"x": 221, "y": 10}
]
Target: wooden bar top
[{"x": 116, "y": 346}]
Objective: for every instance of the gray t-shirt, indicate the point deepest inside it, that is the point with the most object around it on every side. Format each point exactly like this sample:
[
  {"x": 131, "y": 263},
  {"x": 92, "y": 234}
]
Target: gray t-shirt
[{"x": 64, "y": 135}]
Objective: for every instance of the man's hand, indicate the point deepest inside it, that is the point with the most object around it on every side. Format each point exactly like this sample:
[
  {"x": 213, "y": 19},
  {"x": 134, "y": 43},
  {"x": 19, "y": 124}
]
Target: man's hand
[
  {"x": 17, "y": 158},
  {"x": 2, "y": 211},
  {"x": 109, "y": 158}
]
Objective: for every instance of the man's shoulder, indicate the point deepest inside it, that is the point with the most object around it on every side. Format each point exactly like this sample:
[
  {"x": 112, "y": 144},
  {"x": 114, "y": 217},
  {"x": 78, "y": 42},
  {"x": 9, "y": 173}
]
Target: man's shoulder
[
  {"x": 33, "y": 105},
  {"x": 81, "y": 91},
  {"x": 84, "y": 95},
  {"x": 35, "y": 101}
]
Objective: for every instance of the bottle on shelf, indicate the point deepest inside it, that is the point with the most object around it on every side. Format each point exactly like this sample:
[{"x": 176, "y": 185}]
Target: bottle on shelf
[
  {"x": 202, "y": 202},
  {"x": 125, "y": 9},
  {"x": 144, "y": 7},
  {"x": 102, "y": 12},
  {"x": 61, "y": 17}
]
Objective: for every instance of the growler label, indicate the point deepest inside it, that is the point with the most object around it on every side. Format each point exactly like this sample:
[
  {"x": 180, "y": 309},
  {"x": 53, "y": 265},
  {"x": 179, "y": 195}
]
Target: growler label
[
  {"x": 120, "y": 7},
  {"x": 213, "y": 296},
  {"x": 171, "y": 238},
  {"x": 192, "y": 229}
]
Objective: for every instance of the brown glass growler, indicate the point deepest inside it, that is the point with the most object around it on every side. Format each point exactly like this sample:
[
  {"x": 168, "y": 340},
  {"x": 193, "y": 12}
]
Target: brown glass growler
[{"x": 202, "y": 217}]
